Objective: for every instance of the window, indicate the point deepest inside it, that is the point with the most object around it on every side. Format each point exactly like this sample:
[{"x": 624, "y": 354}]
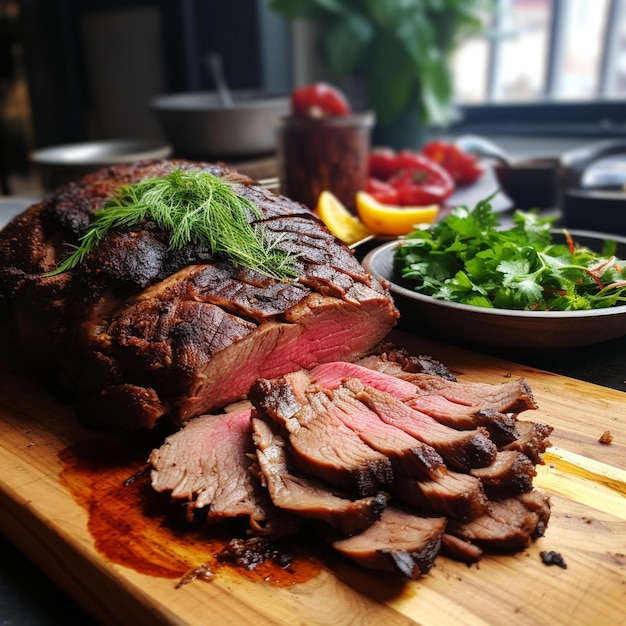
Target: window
[{"x": 549, "y": 61}]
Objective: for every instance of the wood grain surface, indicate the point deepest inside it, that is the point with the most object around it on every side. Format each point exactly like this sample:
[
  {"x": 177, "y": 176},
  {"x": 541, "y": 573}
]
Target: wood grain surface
[{"x": 586, "y": 481}]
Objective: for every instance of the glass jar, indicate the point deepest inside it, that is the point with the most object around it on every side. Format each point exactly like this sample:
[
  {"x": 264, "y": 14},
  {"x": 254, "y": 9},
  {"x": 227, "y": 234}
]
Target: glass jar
[{"x": 327, "y": 153}]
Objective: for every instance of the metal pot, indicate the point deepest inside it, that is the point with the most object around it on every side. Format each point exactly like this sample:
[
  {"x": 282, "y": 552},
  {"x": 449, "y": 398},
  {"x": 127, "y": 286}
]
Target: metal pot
[
  {"x": 200, "y": 125},
  {"x": 593, "y": 187},
  {"x": 65, "y": 163}
]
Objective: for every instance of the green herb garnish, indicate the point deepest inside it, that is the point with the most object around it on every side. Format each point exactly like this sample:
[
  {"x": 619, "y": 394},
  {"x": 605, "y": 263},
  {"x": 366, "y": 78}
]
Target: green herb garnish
[
  {"x": 466, "y": 258},
  {"x": 193, "y": 207}
]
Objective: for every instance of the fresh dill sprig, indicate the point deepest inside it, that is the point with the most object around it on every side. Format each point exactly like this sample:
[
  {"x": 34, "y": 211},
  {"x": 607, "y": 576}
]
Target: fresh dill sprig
[{"x": 193, "y": 207}]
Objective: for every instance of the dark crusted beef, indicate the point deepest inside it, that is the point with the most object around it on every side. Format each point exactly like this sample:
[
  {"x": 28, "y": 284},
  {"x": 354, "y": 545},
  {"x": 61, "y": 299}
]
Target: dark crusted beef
[
  {"x": 453, "y": 494},
  {"x": 510, "y": 472},
  {"x": 400, "y": 542},
  {"x": 509, "y": 525},
  {"x": 321, "y": 444},
  {"x": 460, "y": 550},
  {"x": 137, "y": 331},
  {"x": 308, "y": 497},
  {"x": 532, "y": 440},
  {"x": 386, "y": 356}
]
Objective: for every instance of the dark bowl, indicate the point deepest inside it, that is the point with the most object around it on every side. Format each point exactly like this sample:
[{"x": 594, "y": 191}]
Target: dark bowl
[
  {"x": 530, "y": 183},
  {"x": 501, "y": 327}
]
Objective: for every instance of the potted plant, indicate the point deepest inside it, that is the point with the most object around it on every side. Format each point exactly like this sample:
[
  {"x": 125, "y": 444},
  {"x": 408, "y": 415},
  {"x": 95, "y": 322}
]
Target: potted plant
[{"x": 401, "y": 51}]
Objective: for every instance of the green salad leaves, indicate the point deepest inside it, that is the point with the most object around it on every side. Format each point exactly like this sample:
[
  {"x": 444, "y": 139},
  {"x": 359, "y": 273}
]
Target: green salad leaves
[{"x": 467, "y": 258}]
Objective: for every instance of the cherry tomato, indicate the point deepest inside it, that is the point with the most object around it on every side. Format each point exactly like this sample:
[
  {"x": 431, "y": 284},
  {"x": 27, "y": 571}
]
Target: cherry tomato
[
  {"x": 382, "y": 163},
  {"x": 319, "y": 100},
  {"x": 382, "y": 191},
  {"x": 462, "y": 166}
]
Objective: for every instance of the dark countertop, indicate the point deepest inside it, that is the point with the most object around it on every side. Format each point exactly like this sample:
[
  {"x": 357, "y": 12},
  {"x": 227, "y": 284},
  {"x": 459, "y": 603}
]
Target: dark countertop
[{"x": 29, "y": 598}]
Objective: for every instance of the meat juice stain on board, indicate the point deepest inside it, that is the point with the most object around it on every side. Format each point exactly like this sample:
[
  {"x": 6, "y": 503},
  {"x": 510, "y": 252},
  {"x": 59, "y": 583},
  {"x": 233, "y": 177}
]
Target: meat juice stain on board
[{"x": 136, "y": 527}]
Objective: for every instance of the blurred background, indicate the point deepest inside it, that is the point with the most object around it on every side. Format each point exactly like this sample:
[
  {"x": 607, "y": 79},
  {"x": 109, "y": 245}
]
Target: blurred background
[{"x": 83, "y": 70}]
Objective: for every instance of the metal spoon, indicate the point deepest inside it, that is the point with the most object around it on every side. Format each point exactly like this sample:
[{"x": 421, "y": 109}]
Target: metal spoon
[
  {"x": 479, "y": 146},
  {"x": 214, "y": 65}
]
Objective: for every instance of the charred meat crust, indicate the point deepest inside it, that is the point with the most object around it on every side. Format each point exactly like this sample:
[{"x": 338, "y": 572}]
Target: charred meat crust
[{"x": 135, "y": 329}]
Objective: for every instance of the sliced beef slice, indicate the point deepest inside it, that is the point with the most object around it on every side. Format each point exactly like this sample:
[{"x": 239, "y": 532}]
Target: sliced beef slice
[
  {"x": 502, "y": 427},
  {"x": 332, "y": 375},
  {"x": 407, "y": 454},
  {"x": 206, "y": 463},
  {"x": 400, "y": 542},
  {"x": 459, "y": 549},
  {"x": 460, "y": 450},
  {"x": 456, "y": 405},
  {"x": 453, "y": 494},
  {"x": 509, "y": 525},
  {"x": 320, "y": 444},
  {"x": 511, "y": 472},
  {"x": 514, "y": 396},
  {"x": 388, "y": 355},
  {"x": 307, "y": 497},
  {"x": 532, "y": 440}
]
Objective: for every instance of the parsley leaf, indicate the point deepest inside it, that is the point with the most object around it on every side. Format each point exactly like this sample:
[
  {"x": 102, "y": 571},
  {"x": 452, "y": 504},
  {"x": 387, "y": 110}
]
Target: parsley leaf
[{"x": 468, "y": 258}]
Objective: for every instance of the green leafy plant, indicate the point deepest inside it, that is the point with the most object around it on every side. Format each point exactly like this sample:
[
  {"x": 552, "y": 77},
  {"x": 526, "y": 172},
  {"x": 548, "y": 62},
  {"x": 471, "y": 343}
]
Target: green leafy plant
[
  {"x": 400, "y": 48},
  {"x": 193, "y": 207},
  {"x": 467, "y": 258}
]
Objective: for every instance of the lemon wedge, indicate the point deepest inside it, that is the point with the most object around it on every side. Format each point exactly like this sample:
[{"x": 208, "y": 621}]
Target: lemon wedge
[
  {"x": 384, "y": 219},
  {"x": 339, "y": 220}
]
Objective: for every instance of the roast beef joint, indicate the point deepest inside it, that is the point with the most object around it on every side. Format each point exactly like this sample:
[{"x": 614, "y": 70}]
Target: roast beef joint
[
  {"x": 141, "y": 331},
  {"x": 288, "y": 408}
]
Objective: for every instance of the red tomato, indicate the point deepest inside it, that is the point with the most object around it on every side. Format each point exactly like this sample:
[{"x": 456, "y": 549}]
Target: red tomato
[
  {"x": 382, "y": 163},
  {"x": 418, "y": 187},
  {"x": 416, "y": 178},
  {"x": 319, "y": 100},
  {"x": 408, "y": 159},
  {"x": 416, "y": 170},
  {"x": 382, "y": 191},
  {"x": 462, "y": 166}
]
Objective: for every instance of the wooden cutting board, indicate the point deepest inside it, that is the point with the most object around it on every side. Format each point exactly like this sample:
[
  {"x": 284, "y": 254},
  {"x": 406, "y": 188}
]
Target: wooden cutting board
[{"x": 51, "y": 518}]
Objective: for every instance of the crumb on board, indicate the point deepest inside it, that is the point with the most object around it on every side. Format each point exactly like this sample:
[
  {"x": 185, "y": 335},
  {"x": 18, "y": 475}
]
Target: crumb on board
[
  {"x": 606, "y": 437},
  {"x": 550, "y": 557}
]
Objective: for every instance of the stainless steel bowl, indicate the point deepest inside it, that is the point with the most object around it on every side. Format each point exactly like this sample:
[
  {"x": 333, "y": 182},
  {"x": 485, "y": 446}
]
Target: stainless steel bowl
[
  {"x": 65, "y": 163},
  {"x": 200, "y": 126}
]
